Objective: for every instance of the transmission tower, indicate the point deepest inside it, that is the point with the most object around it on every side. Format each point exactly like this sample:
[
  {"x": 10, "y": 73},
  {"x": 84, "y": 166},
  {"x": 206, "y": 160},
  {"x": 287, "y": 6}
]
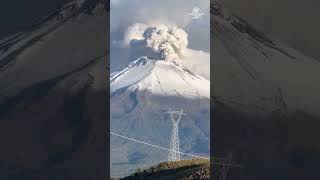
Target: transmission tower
[{"x": 174, "y": 153}]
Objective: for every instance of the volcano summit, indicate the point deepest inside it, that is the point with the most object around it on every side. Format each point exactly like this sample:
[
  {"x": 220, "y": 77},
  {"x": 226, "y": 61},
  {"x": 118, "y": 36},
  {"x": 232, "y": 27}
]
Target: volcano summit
[{"x": 141, "y": 93}]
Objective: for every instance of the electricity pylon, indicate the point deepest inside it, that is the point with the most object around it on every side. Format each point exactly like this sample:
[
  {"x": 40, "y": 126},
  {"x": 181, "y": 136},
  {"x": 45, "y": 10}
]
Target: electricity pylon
[{"x": 174, "y": 153}]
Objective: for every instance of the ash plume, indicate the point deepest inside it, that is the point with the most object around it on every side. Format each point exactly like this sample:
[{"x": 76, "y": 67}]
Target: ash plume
[
  {"x": 129, "y": 19},
  {"x": 156, "y": 41}
]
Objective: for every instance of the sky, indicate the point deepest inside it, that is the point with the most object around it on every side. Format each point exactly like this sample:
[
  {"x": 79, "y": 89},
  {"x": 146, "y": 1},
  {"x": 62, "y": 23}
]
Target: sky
[{"x": 167, "y": 16}]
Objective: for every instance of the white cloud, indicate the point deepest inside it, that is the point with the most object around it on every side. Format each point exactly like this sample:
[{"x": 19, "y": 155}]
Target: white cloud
[
  {"x": 166, "y": 43},
  {"x": 125, "y": 12},
  {"x": 162, "y": 32}
]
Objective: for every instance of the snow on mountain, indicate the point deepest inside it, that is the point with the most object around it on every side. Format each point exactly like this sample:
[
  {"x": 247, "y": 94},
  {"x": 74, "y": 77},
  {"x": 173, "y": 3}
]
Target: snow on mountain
[
  {"x": 53, "y": 96},
  {"x": 140, "y": 95},
  {"x": 38, "y": 55},
  {"x": 261, "y": 72},
  {"x": 159, "y": 77},
  {"x": 265, "y": 101}
]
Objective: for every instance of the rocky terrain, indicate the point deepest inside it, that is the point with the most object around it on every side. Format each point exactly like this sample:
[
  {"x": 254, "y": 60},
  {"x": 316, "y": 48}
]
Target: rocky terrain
[{"x": 182, "y": 170}]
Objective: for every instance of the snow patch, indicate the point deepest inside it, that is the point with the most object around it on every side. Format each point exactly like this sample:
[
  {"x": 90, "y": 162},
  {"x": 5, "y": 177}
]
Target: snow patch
[{"x": 164, "y": 78}]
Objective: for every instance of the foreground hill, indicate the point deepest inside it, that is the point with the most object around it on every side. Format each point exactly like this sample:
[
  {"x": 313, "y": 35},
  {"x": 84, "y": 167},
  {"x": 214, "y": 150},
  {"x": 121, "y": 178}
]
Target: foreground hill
[{"x": 182, "y": 170}]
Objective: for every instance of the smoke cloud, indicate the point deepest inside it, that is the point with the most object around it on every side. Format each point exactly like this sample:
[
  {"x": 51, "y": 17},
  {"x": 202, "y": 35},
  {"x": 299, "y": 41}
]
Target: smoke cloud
[
  {"x": 165, "y": 43},
  {"x": 160, "y": 30},
  {"x": 158, "y": 41}
]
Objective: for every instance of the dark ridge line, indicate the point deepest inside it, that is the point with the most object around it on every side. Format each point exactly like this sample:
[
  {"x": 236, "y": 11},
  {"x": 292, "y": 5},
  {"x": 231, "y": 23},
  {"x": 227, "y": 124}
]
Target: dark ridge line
[
  {"x": 241, "y": 61},
  {"x": 245, "y": 28},
  {"x": 88, "y": 10},
  {"x": 6, "y": 44},
  {"x": 9, "y": 103},
  {"x": 12, "y": 56}
]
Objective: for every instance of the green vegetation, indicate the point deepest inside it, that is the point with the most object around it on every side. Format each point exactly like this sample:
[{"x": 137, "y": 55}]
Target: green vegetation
[{"x": 180, "y": 170}]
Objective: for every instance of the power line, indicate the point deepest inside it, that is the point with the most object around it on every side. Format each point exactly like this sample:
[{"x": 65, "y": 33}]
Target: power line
[
  {"x": 167, "y": 149},
  {"x": 131, "y": 139}
]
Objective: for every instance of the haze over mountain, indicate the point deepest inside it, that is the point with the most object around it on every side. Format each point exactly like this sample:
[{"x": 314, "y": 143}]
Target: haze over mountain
[
  {"x": 266, "y": 102},
  {"x": 291, "y": 21},
  {"x": 53, "y": 95}
]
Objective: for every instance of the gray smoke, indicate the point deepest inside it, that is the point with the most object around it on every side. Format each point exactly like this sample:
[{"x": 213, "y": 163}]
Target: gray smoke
[
  {"x": 158, "y": 41},
  {"x": 166, "y": 31}
]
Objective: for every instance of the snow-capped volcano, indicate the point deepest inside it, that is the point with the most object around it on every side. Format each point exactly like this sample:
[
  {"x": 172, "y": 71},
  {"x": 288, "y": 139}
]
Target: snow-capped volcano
[
  {"x": 159, "y": 77},
  {"x": 140, "y": 94},
  {"x": 162, "y": 74}
]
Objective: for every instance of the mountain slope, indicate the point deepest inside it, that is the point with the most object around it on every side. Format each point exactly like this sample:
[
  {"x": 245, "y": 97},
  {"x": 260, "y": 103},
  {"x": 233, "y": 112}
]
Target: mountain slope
[
  {"x": 163, "y": 78},
  {"x": 262, "y": 64},
  {"x": 52, "y": 97},
  {"x": 67, "y": 39},
  {"x": 266, "y": 102},
  {"x": 141, "y": 94}
]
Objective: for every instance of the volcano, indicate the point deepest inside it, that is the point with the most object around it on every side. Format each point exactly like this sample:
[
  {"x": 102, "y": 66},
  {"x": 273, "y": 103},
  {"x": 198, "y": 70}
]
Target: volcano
[
  {"x": 141, "y": 93},
  {"x": 160, "y": 77}
]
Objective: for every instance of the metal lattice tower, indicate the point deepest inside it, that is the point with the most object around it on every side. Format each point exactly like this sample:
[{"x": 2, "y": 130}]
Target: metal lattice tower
[{"x": 174, "y": 153}]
